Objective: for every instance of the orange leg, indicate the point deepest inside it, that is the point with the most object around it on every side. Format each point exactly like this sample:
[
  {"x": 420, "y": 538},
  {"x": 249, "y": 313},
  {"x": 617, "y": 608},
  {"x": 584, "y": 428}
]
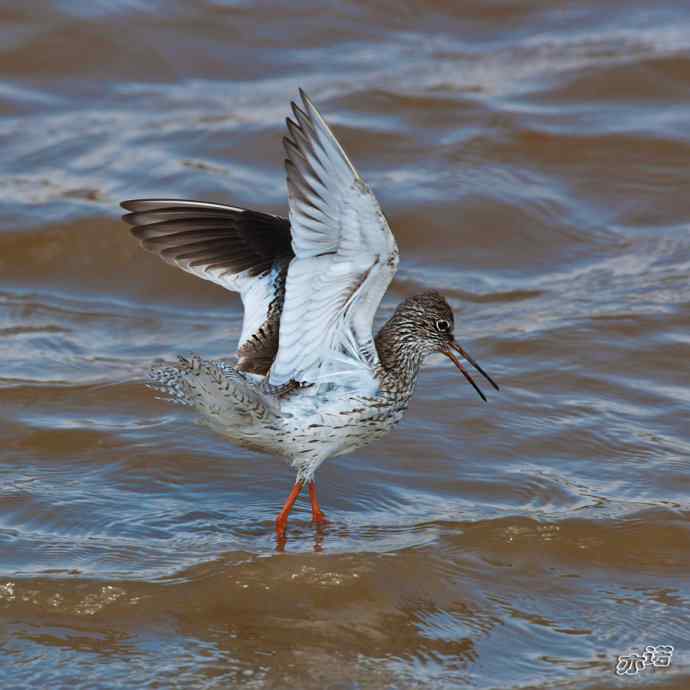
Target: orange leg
[
  {"x": 281, "y": 520},
  {"x": 316, "y": 515}
]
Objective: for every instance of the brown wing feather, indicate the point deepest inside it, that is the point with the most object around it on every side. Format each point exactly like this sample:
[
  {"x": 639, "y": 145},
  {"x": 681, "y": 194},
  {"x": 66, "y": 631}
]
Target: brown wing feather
[{"x": 234, "y": 239}]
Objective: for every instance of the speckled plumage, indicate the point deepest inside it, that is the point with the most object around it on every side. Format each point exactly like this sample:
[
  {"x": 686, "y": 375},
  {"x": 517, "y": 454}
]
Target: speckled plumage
[
  {"x": 311, "y": 381},
  {"x": 309, "y": 424}
]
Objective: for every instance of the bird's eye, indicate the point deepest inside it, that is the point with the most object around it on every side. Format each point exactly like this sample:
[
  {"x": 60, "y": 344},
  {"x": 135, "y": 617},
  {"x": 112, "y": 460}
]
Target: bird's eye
[{"x": 442, "y": 326}]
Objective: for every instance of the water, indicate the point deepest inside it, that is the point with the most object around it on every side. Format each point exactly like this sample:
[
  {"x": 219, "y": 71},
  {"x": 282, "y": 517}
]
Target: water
[{"x": 532, "y": 158}]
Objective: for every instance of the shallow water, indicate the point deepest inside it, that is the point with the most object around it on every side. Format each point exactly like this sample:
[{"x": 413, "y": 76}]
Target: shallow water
[{"x": 532, "y": 158}]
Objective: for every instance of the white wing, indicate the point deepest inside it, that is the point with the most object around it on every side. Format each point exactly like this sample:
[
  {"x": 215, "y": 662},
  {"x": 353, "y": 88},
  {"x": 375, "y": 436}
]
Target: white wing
[
  {"x": 345, "y": 258},
  {"x": 241, "y": 250}
]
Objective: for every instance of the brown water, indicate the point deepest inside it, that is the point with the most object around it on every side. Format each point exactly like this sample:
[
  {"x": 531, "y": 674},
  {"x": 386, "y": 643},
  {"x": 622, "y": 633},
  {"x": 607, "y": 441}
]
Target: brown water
[{"x": 533, "y": 159}]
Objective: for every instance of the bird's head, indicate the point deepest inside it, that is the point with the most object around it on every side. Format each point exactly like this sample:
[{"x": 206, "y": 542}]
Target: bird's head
[{"x": 430, "y": 325}]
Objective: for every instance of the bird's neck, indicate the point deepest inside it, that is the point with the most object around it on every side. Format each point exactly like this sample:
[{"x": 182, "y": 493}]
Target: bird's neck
[{"x": 400, "y": 355}]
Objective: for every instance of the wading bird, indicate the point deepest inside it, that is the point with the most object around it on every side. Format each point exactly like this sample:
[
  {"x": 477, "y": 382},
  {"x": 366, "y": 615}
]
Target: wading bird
[{"x": 311, "y": 379}]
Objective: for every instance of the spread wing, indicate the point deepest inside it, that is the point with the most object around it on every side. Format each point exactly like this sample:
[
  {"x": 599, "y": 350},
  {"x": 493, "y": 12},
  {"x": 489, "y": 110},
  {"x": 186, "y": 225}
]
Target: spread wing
[
  {"x": 244, "y": 251},
  {"x": 345, "y": 258}
]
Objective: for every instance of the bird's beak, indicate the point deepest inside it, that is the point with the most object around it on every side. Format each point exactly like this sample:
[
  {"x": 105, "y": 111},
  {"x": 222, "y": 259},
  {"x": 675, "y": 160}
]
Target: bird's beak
[{"x": 464, "y": 371}]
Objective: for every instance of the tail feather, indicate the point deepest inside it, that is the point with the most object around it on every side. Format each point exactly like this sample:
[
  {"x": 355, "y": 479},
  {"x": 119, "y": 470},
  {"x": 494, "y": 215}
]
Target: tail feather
[
  {"x": 215, "y": 388},
  {"x": 170, "y": 380}
]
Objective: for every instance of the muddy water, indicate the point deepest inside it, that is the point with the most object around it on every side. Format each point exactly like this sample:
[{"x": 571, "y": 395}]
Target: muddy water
[{"x": 533, "y": 160}]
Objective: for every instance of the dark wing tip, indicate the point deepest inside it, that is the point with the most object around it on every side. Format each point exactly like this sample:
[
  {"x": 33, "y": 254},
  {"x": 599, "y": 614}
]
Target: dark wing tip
[
  {"x": 144, "y": 204},
  {"x": 299, "y": 114},
  {"x": 307, "y": 104}
]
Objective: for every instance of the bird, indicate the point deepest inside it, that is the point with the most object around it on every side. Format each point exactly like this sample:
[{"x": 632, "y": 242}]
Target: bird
[{"x": 310, "y": 379}]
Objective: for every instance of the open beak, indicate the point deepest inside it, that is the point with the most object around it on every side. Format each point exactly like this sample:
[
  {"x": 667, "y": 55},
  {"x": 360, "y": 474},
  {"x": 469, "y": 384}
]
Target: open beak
[{"x": 464, "y": 371}]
